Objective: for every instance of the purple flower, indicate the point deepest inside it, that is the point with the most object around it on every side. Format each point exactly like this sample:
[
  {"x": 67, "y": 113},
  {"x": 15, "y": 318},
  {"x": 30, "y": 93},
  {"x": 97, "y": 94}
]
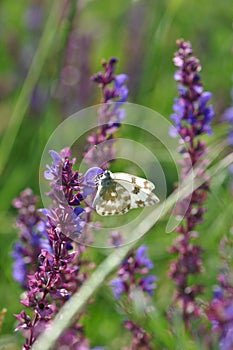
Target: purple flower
[
  {"x": 226, "y": 343},
  {"x": 33, "y": 17},
  {"x": 133, "y": 274},
  {"x": 46, "y": 243},
  {"x": 118, "y": 287},
  {"x": 228, "y": 115},
  {"x": 54, "y": 171},
  {"x": 68, "y": 186},
  {"x": 58, "y": 276},
  {"x": 19, "y": 265},
  {"x": 140, "y": 338},
  {"x": 220, "y": 309},
  {"x": 111, "y": 113},
  {"x": 142, "y": 259},
  {"x": 148, "y": 284},
  {"x": 120, "y": 89},
  {"x": 230, "y": 138},
  {"x": 68, "y": 190},
  {"x": 192, "y": 114},
  {"x": 32, "y": 237},
  {"x": 192, "y": 117}
]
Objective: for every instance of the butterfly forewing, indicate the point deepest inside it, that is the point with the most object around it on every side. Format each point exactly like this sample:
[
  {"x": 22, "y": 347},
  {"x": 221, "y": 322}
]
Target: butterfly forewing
[
  {"x": 144, "y": 184},
  {"x": 140, "y": 196}
]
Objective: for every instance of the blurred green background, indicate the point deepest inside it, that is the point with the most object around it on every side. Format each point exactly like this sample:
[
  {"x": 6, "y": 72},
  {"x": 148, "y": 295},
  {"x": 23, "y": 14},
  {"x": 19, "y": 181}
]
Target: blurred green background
[{"x": 73, "y": 37}]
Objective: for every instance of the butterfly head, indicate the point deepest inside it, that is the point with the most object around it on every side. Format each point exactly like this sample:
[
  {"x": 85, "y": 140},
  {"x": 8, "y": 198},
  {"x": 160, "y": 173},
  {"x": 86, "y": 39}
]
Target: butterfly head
[{"x": 106, "y": 180}]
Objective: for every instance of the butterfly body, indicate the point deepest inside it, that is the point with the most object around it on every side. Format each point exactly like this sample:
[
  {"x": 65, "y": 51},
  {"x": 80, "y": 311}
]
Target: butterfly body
[{"x": 119, "y": 192}]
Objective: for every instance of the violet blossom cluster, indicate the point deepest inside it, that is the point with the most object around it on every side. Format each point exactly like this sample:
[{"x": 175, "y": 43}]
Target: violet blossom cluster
[
  {"x": 133, "y": 274},
  {"x": 69, "y": 189},
  {"x": 111, "y": 113},
  {"x": 192, "y": 119},
  {"x": 60, "y": 270}
]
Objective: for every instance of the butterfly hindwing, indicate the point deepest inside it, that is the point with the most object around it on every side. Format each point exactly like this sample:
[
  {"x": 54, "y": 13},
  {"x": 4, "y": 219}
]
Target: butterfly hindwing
[{"x": 113, "y": 200}]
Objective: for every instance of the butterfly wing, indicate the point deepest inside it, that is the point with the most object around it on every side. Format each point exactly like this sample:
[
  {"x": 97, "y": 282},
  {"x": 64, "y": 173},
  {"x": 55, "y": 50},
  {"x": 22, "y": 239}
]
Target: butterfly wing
[
  {"x": 138, "y": 188},
  {"x": 146, "y": 185},
  {"x": 113, "y": 200},
  {"x": 143, "y": 199}
]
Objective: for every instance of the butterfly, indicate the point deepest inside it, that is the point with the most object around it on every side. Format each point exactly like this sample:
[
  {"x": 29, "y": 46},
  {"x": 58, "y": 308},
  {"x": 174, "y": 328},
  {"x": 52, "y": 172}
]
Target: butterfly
[{"x": 117, "y": 193}]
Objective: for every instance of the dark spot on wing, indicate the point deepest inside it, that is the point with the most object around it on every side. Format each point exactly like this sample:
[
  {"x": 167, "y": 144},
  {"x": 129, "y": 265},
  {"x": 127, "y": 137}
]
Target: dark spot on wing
[{"x": 136, "y": 190}]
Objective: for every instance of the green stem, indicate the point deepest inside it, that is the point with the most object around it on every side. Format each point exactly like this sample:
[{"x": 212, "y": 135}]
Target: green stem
[{"x": 46, "y": 44}]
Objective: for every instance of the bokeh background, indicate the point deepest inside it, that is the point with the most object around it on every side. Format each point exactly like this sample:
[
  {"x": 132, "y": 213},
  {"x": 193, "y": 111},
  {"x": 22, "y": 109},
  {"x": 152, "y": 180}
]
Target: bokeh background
[{"x": 142, "y": 35}]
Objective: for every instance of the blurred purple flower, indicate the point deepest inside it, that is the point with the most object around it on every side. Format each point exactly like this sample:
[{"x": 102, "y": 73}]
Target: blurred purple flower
[
  {"x": 142, "y": 258},
  {"x": 32, "y": 237},
  {"x": 131, "y": 275},
  {"x": 220, "y": 309},
  {"x": 118, "y": 287},
  {"x": 228, "y": 118},
  {"x": 19, "y": 266},
  {"x": 148, "y": 284},
  {"x": 34, "y": 17},
  {"x": 141, "y": 339}
]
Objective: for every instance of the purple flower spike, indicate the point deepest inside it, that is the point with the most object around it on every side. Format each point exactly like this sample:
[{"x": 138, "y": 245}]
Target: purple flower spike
[
  {"x": 111, "y": 113},
  {"x": 192, "y": 117}
]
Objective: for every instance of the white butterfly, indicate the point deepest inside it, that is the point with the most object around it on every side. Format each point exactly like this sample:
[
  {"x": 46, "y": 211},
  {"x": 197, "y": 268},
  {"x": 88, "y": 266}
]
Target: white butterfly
[{"x": 119, "y": 192}]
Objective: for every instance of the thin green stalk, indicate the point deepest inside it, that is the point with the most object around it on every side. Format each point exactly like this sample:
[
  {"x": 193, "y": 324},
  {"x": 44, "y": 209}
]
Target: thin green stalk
[
  {"x": 46, "y": 44},
  {"x": 67, "y": 314},
  {"x": 66, "y": 33}
]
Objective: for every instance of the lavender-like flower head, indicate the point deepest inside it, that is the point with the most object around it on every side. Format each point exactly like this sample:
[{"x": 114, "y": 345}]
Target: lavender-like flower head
[
  {"x": 69, "y": 189},
  {"x": 192, "y": 118},
  {"x": 192, "y": 115},
  {"x": 111, "y": 113},
  {"x": 56, "y": 274}
]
